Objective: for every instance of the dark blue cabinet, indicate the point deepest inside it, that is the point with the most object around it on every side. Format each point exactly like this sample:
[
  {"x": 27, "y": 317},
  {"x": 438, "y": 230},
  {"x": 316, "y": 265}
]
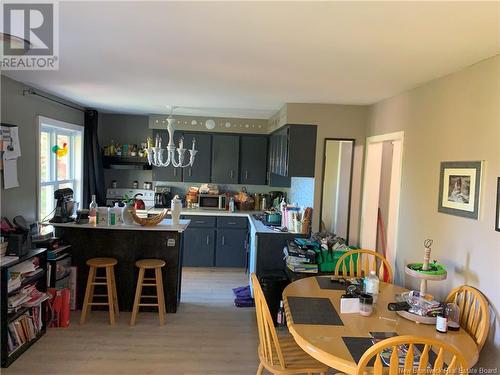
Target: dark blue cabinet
[
  {"x": 225, "y": 158},
  {"x": 253, "y": 164},
  {"x": 231, "y": 248},
  {"x": 199, "y": 247},
  {"x": 200, "y": 171}
]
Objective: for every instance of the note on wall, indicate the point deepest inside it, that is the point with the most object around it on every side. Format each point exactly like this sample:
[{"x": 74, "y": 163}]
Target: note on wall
[{"x": 11, "y": 150}]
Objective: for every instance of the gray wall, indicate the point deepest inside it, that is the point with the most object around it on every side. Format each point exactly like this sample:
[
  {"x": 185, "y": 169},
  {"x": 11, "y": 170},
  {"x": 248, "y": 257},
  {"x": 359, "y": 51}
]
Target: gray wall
[
  {"x": 22, "y": 111},
  {"x": 453, "y": 118}
]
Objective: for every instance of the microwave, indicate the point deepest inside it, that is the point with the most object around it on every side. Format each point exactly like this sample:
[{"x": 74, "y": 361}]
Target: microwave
[{"x": 212, "y": 202}]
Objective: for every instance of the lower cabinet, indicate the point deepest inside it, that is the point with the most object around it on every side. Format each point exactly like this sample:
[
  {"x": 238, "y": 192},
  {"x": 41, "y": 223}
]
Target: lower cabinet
[
  {"x": 231, "y": 248},
  {"x": 199, "y": 247},
  {"x": 219, "y": 242}
]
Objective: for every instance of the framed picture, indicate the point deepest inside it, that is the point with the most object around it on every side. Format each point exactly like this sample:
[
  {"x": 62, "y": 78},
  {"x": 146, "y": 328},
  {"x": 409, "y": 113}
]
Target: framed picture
[
  {"x": 459, "y": 188},
  {"x": 497, "y": 221}
]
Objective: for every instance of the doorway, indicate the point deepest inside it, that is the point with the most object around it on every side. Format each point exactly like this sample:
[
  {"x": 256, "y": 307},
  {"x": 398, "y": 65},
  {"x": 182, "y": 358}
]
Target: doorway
[{"x": 381, "y": 193}]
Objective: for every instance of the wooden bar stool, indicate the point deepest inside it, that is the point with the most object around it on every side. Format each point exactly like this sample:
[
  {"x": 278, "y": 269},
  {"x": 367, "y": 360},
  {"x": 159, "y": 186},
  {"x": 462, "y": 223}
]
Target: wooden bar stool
[
  {"x": 157, "y": 281},
  {"x": 108, "y": 280}
]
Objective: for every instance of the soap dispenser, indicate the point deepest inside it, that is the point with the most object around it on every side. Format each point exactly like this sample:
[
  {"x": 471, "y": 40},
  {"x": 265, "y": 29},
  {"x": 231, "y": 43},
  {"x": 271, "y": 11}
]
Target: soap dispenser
[{"x": 176, "y": 207}]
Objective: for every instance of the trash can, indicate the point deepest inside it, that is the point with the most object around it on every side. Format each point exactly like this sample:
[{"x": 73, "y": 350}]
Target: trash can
[{"x": 273, "y": 283}]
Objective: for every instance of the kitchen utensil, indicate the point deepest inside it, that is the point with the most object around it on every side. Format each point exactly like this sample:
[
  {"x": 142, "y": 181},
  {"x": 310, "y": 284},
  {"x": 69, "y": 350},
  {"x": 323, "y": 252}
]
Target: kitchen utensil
[
  {"x": 139, "y": 203},
  {"x": 273, "y": 217}
]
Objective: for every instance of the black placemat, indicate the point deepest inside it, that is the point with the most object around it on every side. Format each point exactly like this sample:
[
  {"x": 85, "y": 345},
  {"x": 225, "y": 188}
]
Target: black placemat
[
  {"x": 313, "y": 310},
  {"x": 327, "y": 283},
  {"x": 357, "y": 346}
]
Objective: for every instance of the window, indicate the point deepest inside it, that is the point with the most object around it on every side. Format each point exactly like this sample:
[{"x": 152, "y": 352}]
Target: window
[{"x": 60, "y": 165}]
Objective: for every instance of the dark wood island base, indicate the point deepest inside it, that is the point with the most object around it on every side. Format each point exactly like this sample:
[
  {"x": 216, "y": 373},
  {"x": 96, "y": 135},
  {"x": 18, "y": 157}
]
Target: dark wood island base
[{"x": 127, "y": 244}]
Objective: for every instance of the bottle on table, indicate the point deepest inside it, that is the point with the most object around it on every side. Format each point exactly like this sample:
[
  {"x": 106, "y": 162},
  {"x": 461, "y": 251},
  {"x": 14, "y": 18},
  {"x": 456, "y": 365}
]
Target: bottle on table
[
  {"x": 232, "y": 207},
  {"x": 372, "y": 285},
  {"x": 111, "y": 216},
  {"x": 93, "y": 211}
]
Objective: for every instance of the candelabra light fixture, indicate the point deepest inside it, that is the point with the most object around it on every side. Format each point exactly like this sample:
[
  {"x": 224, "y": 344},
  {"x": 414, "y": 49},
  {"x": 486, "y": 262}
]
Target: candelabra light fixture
[{"x": 156, "y": 154}]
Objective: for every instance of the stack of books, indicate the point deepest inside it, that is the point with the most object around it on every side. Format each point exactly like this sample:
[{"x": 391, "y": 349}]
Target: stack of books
[
  {"x": 24, "y": 329},
  {"x": 300, "y": 260}
]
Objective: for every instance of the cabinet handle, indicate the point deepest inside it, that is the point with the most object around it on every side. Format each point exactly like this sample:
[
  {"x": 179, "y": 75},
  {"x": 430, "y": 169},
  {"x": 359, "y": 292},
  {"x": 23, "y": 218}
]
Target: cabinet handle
[
  {"x": 223, "y": 240},
  {"x": 231, "y": 223},
  {"x": 190, "y": 172},
  {"x": 199, "y": 222},
  {"x": 231, "y": 172},
  {"x": 246, "y": 174},
  {"x": 208, "y": 239},
  {"x": 175, "y": 172}
]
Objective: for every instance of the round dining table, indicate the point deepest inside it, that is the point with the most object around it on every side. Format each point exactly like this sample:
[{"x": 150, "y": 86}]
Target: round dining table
[{"x": 327, "y": 342}]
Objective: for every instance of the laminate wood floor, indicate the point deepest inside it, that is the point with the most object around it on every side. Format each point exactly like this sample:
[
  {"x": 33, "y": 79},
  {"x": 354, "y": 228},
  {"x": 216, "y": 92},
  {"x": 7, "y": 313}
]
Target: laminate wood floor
[{"x": 208, "y": 335}]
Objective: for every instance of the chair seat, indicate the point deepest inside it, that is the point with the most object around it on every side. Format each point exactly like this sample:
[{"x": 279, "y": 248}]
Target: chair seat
[
  {"x": 101, "y": 262},
  {"x": 295, "y": 359},
  {"x": 150, "y": 263}
]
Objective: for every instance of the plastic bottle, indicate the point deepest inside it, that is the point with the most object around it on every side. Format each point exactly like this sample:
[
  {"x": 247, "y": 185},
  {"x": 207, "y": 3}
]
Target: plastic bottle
[
  {"x": 231, "y": 205},
  {"x": 176, "y": 207},
  {"x": 111, "y": 216},
  {"x": 372, "y": 285},
  {"x": 284, "y": 215},
  {"x": 93, "y": 211},
  {"x": 280, "y": 318},
  {"x": 118, "y": 214}
]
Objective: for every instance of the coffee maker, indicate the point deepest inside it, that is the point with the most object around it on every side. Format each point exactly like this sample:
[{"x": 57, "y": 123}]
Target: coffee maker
[
  {"x": 163, "y": 196},
  {"x": 64, "y": 206}
]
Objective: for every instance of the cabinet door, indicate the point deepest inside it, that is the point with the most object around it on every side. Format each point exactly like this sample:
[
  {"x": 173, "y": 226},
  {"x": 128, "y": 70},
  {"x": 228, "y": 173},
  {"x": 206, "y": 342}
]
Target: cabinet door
[
  {"x": 253, "y": 166},
  {"x": 167, "y": 173},
  {"x": 231, "y": 248},
  {"x": 199, "y": 247},
  {"x": 225, "y": 158},
  {"x": 200, "y": 171}
]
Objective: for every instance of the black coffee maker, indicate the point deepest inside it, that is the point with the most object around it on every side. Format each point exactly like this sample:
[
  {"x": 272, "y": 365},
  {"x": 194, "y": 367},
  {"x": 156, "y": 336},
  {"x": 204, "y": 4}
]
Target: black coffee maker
[
  {"x": 64, "y": 206},
  {"x": 163, "y": 197}
]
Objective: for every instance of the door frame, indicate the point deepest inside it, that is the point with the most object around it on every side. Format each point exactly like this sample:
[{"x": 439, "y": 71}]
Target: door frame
[
  {"x": 350, "y": 184},
  {"x": 394, "y": 204}
]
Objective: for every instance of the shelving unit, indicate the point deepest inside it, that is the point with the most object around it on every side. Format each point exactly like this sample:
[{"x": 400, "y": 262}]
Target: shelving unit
[
  {"x": 125, "y": 162},
  {"x": 40, "y": 280}
]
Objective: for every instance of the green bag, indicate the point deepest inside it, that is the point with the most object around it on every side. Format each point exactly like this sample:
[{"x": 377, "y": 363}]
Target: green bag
[{"x": 327, "y": 259}]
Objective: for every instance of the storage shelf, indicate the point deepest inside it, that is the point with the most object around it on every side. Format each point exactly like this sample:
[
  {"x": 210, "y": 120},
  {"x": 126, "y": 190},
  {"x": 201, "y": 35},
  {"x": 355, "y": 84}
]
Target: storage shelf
[
  {"x": 19, "y": 351},
  {"x": 125, "y": 162},
  {"x": 27, "y": 281}
]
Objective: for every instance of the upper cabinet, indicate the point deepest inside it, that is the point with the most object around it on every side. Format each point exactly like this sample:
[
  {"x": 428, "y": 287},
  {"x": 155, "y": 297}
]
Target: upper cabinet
[
  {"x": 200, "y": 171},
  {"x": 292, "y": 153},
  {"x": 253, "y": 164},
  {"x": 225, "y": 158},
  {"x": 167, "y": 173}
]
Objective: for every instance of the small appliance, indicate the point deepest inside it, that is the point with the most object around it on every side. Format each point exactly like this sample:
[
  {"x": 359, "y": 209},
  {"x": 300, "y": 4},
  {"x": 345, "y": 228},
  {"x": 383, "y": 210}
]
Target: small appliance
[
  {"x": 163, "y": 197},
  {"x": 64, "y": 206},
  {"x": 212, "y": 201}
]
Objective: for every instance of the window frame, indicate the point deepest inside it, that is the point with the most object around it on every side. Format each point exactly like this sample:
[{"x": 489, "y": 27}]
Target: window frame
[{"x": 62, "y": 128}]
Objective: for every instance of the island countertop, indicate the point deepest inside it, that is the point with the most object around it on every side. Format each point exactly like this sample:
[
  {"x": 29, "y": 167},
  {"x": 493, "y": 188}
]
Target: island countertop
[{"x": 164, "y": 226}]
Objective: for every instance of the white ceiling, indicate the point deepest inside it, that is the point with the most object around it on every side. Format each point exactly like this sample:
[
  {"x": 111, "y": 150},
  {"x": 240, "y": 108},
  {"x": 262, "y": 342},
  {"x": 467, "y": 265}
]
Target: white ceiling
[{"x": 247, "y": 59}]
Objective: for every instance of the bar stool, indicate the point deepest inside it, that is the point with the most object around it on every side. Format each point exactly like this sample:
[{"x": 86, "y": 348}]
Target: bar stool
[
  {"x": 157, "y": 281},
  {"x": 108, "y": 280}
]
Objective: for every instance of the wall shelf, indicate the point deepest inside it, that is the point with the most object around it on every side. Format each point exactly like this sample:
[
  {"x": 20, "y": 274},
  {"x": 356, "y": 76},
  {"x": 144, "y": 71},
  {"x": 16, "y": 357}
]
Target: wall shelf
[{"x": 125, "y": 162}]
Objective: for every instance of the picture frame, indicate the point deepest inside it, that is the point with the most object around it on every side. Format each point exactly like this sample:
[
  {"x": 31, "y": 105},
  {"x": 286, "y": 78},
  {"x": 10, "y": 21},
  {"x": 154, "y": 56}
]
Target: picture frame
[
  {"x": 460, "y": 188},
  {"x": 497, "y": 220}
]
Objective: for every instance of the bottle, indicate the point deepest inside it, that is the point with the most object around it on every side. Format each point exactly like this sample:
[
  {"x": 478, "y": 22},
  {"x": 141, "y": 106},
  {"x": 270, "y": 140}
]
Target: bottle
[
  {"x": 441, "y": 323},
  {"x": 111, "y": 216},
  {"x": 452, "y": 313},
  {"x": 176, "y": 207},
  {"x": 280, "y": 318},
  {"x": 372, "y": 285},
  {"x": 231, "y": 205},
  {"x": 93, "y": 211},
  {"x": 118, "y": 214}
]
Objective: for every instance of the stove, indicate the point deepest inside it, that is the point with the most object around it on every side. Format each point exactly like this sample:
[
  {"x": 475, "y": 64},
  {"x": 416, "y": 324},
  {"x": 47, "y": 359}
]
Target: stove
[{"x": 118, "y": 195}]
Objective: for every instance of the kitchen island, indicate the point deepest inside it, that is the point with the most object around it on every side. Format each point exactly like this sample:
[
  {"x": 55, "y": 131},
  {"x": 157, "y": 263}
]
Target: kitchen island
[{"x": 127, "y": 244}]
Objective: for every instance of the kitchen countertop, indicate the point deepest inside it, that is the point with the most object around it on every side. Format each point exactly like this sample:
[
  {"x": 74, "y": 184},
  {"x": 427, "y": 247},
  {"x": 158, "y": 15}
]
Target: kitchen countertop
[
  {"x": 256, "y": 224},
  {"x": 165, "y": 226}
]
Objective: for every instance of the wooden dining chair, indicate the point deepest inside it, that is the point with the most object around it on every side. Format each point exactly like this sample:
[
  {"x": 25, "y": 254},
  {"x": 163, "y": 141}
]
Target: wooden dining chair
[
  {"x": 366, "y": 261},
  {"x": 474, "y": 312},
  {"x": 279, "y": 355},
  {"x": 405, "y": 363}
]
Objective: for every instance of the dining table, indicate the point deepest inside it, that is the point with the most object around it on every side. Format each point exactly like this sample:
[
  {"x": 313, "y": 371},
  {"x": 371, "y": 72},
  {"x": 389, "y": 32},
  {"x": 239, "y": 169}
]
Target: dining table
[{"x": 312, "y": 310}]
